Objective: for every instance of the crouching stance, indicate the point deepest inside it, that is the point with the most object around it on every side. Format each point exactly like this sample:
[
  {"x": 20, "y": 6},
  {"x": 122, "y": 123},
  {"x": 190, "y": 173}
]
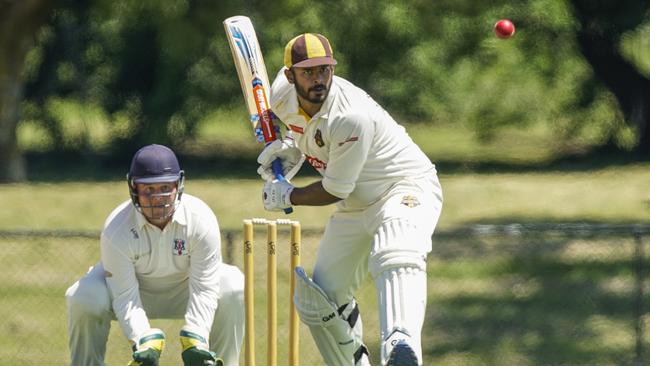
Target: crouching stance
[
  {"x": 388, "y": 203},
  {"x": 160, "y": 258}
]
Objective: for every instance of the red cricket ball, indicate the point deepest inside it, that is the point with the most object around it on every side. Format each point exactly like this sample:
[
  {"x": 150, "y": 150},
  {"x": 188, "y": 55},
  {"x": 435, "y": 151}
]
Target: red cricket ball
[{"x": 504, "y": 28}]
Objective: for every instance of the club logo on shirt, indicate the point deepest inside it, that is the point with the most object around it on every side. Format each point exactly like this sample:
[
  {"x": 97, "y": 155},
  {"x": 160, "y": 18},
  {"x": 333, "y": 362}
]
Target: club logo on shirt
[
  {"x": 410, "y": 201},
  {"x": 179, "y": 247},
  {"x": 318, "y": 138}
]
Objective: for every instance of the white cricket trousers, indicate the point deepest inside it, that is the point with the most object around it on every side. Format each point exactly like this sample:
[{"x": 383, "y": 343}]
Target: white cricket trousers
[
  {"x": 389, "y": 240},
  {"x": 90, "y": 313}
]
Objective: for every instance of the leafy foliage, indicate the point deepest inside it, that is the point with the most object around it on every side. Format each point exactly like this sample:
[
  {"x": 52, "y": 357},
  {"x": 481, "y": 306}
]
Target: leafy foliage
[{"x": 164, "y": 66}]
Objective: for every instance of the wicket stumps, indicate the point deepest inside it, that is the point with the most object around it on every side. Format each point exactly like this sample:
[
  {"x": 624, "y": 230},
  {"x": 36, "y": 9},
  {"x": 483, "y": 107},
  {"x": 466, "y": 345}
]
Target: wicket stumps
[{"x": 272, "y": 283}]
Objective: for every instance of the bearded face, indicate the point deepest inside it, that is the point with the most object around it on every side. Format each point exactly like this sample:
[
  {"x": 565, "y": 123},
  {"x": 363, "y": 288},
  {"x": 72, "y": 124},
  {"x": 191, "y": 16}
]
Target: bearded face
[{"x": 312, "y": 83}]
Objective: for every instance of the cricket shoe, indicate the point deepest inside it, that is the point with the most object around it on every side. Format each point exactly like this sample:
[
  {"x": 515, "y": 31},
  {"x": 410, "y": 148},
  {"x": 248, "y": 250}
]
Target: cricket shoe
[{"x": 402, "y": 355}]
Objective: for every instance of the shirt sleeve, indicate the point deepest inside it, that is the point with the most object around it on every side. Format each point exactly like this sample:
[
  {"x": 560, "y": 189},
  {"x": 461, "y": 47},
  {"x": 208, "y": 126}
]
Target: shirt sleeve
[
  {"x": 350, "y": 141},
  {"x": 124, "y": 289},
  {"x": 205, "y": 260}
]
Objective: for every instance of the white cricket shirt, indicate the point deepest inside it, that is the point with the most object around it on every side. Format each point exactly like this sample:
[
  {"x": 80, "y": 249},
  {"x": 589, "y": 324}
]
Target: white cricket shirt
[
  {"x": 353, "y": 142},
  {"x": 139, "y": 256}
]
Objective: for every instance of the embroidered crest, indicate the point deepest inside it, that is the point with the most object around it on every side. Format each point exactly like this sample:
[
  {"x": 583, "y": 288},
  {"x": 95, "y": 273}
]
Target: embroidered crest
[
  {"x": 410, "y": 201},
  {"x": 179, "y": 247},
  {"x": 318, "y": 138}
]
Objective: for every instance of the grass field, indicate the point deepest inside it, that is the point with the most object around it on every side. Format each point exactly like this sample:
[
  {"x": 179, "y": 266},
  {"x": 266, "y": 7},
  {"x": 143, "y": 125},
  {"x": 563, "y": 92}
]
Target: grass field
[
  {"x": 611, "y": 194},
  {"x": 493, "y": 300},
  {"x": 536, "y": 300},
  {"x": 543, "y": 299}
]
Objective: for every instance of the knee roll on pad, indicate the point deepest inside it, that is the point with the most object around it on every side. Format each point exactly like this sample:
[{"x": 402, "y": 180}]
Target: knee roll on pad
[
  {"x": 337, "y": 331},
  {"x": 398, "y": 244}
]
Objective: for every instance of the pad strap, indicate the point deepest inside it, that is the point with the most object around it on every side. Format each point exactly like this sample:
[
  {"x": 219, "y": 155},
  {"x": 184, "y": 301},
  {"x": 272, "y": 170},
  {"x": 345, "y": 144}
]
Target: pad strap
[{"x": 337, "y": 330}]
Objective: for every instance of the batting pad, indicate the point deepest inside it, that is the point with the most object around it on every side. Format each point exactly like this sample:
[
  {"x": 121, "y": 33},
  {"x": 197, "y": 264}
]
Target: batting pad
[
  {"x": 398, "y": 265},
  {"x": 398, "y": 244},
  {"x": 402, "y": 295},
  {"x": 336, "y": 331}
]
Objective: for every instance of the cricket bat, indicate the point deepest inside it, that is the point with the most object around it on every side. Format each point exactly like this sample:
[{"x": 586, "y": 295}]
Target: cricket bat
[{"x": 254, "y": 81}]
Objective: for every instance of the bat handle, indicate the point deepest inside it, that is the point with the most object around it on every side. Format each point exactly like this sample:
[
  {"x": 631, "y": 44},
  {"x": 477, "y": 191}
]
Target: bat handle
[{"x": 276, "y": 165}]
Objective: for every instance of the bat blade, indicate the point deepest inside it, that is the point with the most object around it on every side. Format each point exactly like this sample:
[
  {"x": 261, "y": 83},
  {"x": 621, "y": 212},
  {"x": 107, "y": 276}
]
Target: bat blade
[
  {"x": 251, "y": 70},
  {"x": 253, "y": 80}
]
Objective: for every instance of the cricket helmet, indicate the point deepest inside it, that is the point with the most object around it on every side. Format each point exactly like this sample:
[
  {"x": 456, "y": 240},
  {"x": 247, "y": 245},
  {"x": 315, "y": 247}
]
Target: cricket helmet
[{"x": 154, "y": 164}]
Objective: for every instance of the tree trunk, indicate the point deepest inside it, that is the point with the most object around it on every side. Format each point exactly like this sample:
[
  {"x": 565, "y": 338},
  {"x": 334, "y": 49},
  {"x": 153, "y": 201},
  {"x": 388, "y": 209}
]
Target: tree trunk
[
  {"x": 19, "y": 23},
  {"x": 631, "y": 88}
]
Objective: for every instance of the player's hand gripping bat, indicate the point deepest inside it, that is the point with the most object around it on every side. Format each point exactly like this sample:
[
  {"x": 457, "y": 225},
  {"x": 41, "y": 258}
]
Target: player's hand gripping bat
[{"x": 253, "y": 79}]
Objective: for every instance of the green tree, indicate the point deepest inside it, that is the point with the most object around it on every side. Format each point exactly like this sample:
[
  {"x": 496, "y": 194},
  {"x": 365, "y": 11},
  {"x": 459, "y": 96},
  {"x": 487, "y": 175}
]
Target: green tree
[
  {"x": 438, "y": 61},
  {"x": 602, "y": 27},
  {"x": 19, "y": 22},
  {"x": 154, "y": 69},
  {"x": 157, "y": 65}
]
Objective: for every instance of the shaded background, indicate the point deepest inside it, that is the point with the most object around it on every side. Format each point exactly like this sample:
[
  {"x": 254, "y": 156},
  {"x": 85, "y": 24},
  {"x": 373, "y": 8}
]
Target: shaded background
[
  {"x": 99, "y": 78},
  {"x": 541, "y": 142}
]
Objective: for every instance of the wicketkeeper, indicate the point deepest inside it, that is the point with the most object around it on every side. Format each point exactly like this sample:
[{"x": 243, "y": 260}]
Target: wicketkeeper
[
  {"x": 160, "y": 258},
  {"x": 388, "y": 203}
]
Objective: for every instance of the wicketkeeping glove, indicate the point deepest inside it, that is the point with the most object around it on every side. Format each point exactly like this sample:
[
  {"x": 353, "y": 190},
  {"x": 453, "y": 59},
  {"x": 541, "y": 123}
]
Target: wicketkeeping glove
[
  {"x": 196, "y": 351},
  {"x": 148, "y": 349},
  {"x": 286, "y": 150},
  {"x": 276, "y": 195}
]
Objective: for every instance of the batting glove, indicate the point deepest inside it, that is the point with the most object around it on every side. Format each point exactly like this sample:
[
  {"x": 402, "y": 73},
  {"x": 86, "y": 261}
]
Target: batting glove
[
  {"x": 146, "y": 352},
  {"x": 285, "y": 150},
  {"x": 277, "y": 195},
  {"x": 196, "y": 351}
]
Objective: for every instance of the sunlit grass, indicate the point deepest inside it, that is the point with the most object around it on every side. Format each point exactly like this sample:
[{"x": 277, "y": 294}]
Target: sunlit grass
[{"x": 617, "y": 194}]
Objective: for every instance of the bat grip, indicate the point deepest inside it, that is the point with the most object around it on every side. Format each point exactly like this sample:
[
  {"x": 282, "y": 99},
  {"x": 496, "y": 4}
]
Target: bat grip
[{"x": 276, "y": 165}]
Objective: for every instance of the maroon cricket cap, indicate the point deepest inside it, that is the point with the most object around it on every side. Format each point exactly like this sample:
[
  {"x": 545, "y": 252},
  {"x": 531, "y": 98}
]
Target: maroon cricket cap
[
  {"x": 155, "y": 164},
  {"x": 308, "y": 50}
]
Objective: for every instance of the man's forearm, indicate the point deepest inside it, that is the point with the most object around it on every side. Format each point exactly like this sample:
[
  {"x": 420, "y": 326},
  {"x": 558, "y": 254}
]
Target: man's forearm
[{"x": 312, "y": 195}]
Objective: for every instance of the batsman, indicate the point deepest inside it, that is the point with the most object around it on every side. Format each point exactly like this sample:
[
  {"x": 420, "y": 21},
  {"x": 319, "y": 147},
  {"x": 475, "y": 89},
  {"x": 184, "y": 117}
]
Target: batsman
[
  {"x": 388, "y": 201},
  {"x": 160, "y": 259}
]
